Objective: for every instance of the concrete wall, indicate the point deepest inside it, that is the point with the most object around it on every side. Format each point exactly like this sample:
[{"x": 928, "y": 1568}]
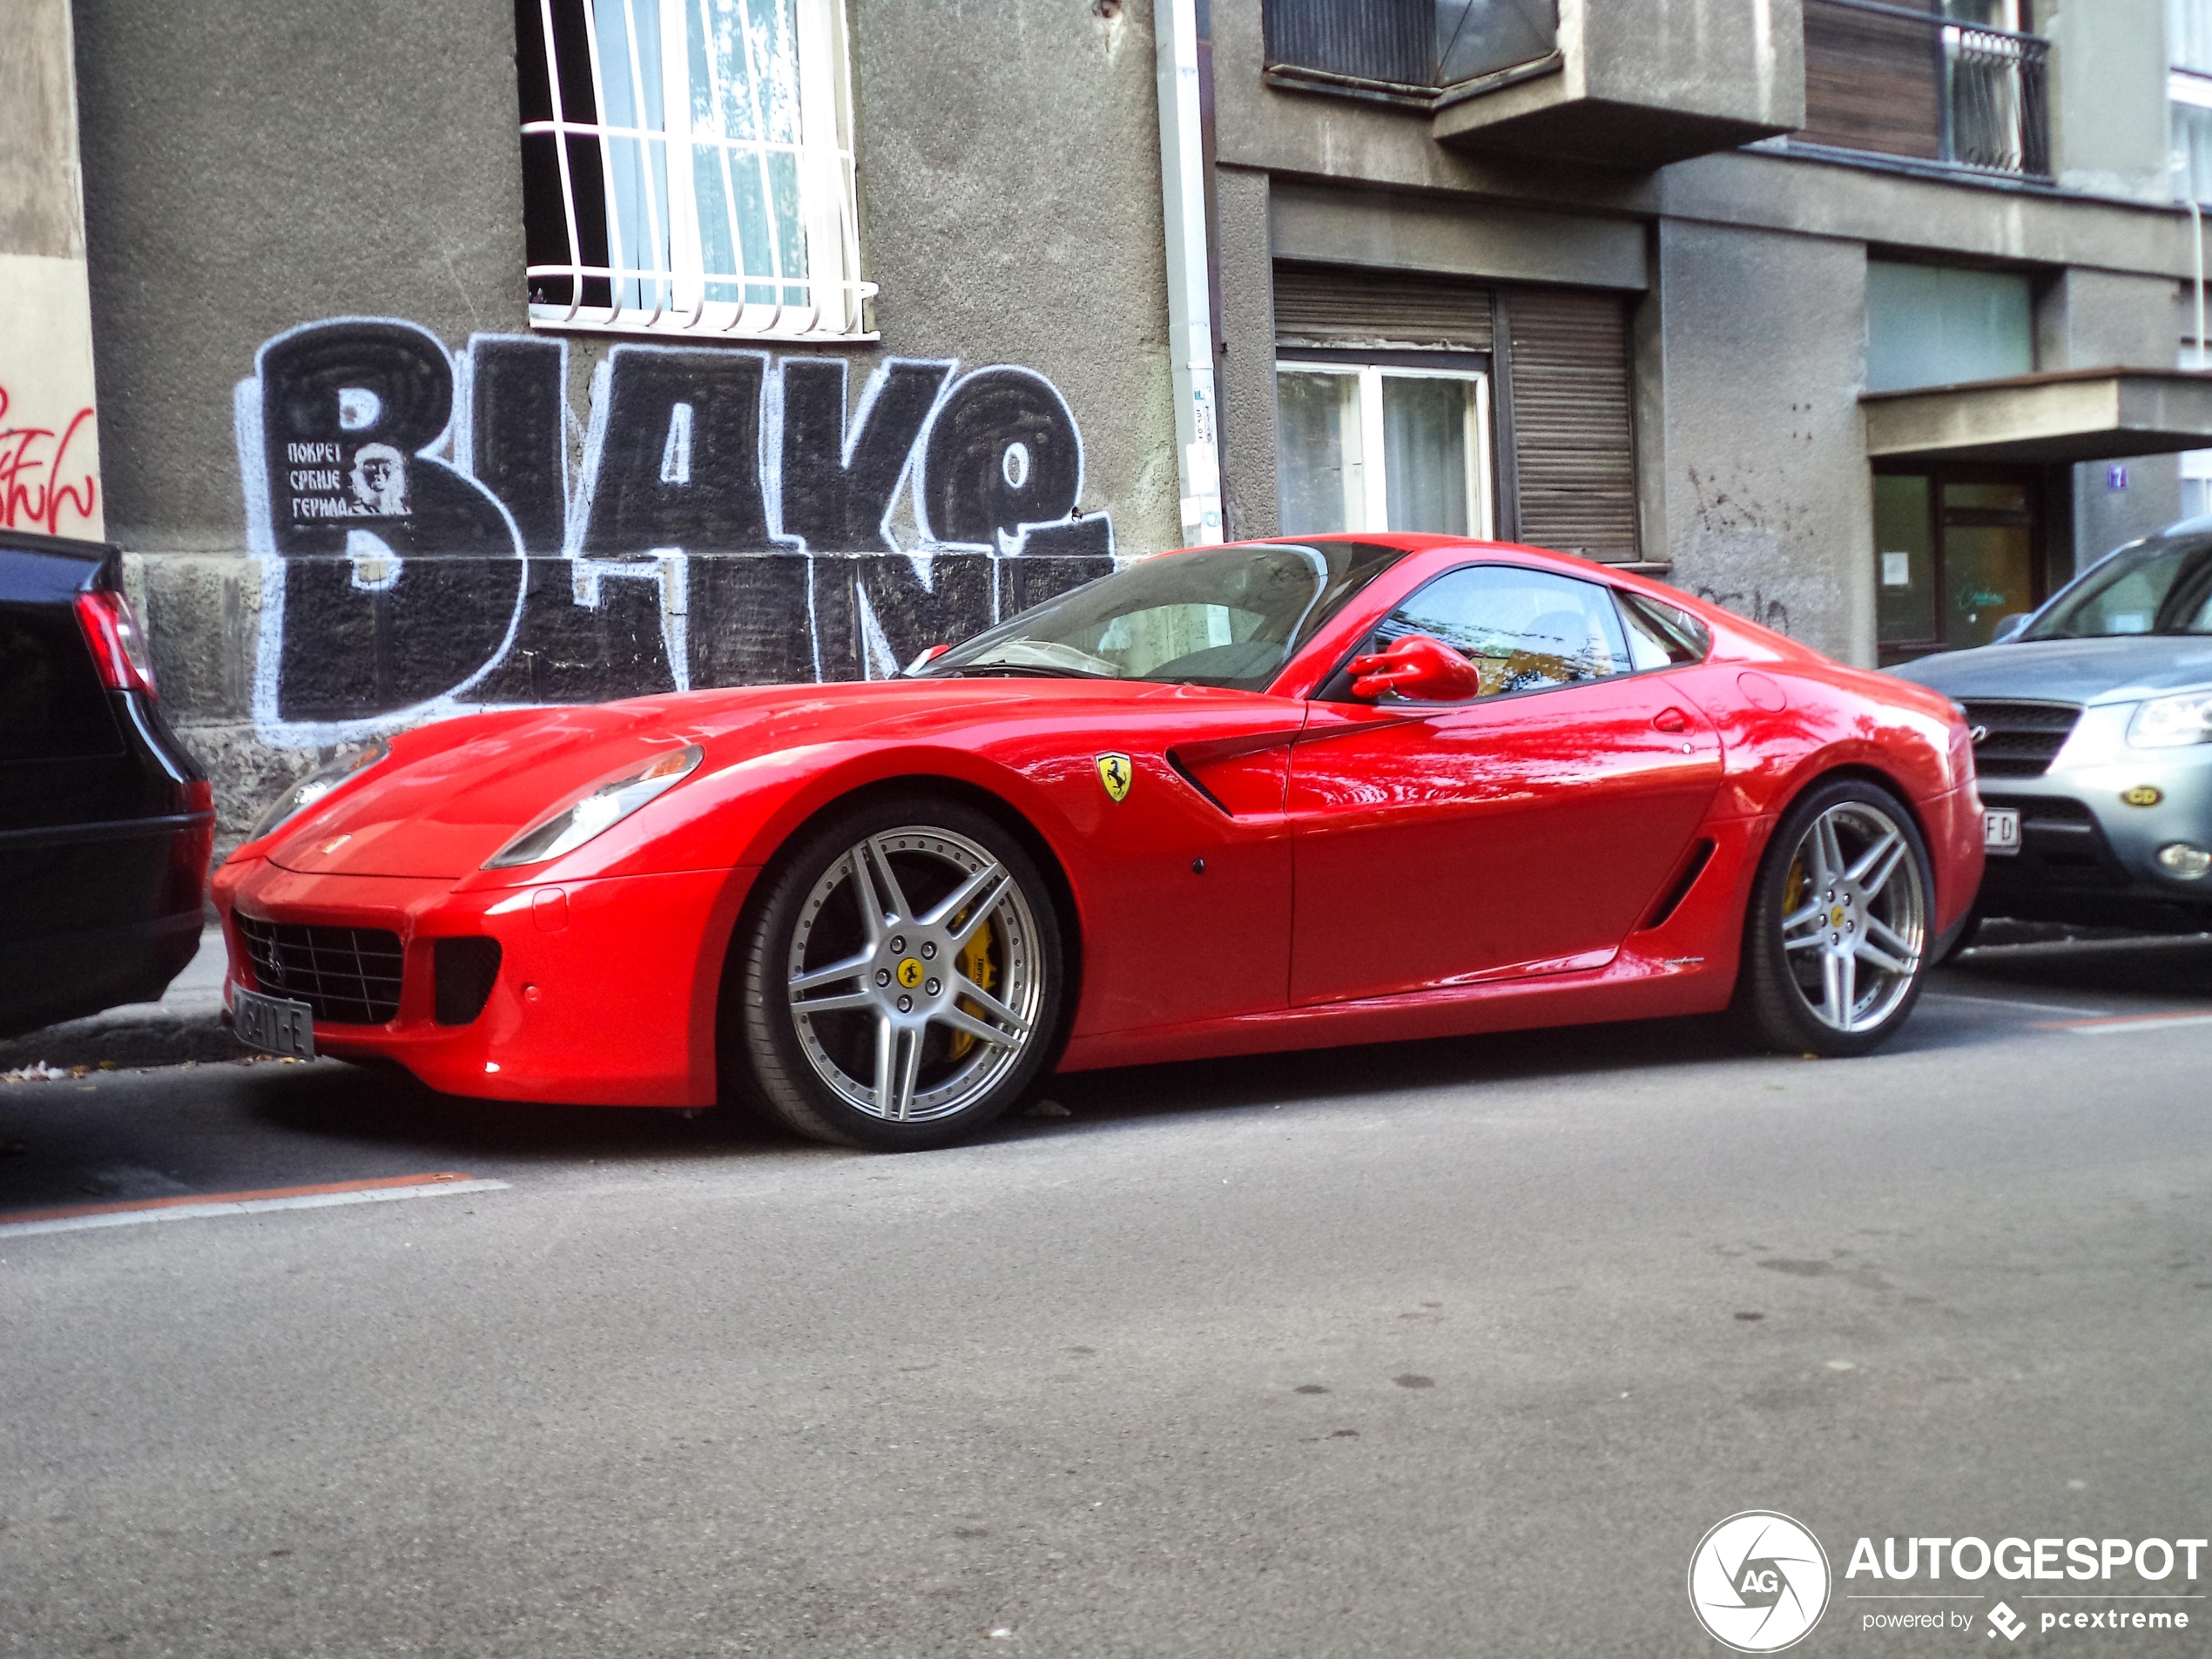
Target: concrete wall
[
  {"x": 2089, "y": 318},
  {"x": 1751, "y": 434},
  {"x": 2109, "y": 131},
  {"x": 1244, "y": 241},
  {"x": 260, "y": 174}
]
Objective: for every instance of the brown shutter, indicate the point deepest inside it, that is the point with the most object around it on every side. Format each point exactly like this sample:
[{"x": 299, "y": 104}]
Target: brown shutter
[
  {"x": 1873, "y": 79},
  {"x": 1575, "y": 452},
  {"x": 1340, "y": 309}
]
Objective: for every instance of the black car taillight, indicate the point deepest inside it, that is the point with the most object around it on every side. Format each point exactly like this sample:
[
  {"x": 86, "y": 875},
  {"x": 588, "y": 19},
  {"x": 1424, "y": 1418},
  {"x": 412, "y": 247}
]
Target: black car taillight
[
  {"x": 466, "y": 970},
  {"x": 118, "y": 645}
]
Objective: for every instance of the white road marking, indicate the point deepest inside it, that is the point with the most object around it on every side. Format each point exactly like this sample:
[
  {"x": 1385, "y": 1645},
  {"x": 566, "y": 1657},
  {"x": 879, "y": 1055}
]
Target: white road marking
[
  {"x": 2006, "y": 1002},
  {"x": 2143, "y": 1022},
  {"x": 243, "y": 1207}
]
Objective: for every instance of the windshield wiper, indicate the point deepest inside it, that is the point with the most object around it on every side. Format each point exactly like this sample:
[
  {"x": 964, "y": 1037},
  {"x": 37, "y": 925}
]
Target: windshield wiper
[{"x": 1028, "y": 671}]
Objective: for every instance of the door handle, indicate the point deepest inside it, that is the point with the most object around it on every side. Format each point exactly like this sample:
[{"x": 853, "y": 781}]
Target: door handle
[{"x": 1670, "y": 720}]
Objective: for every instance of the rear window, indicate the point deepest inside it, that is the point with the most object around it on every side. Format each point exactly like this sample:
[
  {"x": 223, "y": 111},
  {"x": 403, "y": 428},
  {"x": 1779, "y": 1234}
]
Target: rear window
[{"x": 53, "y": 704}]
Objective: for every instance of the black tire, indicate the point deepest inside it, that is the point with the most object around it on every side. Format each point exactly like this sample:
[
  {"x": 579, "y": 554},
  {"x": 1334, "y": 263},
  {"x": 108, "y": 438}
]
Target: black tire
[
  {"x": 1776, "y": 987},
  {"x": 1962, "y": 938},
  {"x": 819, "y": 1074}
]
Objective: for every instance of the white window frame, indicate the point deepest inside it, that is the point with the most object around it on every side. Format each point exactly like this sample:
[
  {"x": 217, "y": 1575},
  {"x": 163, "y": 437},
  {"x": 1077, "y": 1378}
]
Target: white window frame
[
  {"x": 2188, "y": 23},
  {"x": 1374, "y": 468},
  {"x": 672, "y": 290}
]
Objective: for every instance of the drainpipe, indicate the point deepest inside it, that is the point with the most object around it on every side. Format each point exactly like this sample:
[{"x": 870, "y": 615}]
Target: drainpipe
[
  {"x": 2196, "y": 244},
  {"x": 2179, "y": 164},
  {"x": 1190, "y": 338}
]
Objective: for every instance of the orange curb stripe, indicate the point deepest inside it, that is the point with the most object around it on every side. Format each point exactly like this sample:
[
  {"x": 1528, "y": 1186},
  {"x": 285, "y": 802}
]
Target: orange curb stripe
[{"x": 71, "y": 1211}]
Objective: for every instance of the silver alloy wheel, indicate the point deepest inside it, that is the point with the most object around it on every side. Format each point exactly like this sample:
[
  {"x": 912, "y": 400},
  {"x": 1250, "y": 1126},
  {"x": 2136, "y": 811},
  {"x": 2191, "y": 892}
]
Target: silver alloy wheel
[
  {"x": 1855, "y": 917},
  {"x": 895, "y": 1020}
]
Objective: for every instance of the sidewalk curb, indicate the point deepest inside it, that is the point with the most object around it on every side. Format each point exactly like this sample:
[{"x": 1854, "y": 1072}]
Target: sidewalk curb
[{"x": 143, "y": 1037}]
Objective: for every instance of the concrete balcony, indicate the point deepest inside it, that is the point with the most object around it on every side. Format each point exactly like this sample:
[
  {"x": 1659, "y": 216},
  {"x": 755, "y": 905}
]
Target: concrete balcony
[{"x": 1635, "y": 85}]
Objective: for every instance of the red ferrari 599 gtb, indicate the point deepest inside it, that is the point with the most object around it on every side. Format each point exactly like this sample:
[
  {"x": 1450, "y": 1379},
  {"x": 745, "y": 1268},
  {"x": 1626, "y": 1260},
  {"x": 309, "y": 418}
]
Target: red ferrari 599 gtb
[{"x": 1276, "y": 795}]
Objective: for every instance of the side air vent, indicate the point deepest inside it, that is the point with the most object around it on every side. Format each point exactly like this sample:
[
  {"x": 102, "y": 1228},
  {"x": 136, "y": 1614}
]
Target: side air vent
[
  {"x": 1693, "y": 865},
  {"x": 466, "y": 970}
]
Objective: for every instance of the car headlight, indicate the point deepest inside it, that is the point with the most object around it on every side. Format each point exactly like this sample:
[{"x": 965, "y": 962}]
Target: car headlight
[
  {"x": 2169, "y": 722},
  {"x": 316, "y": 785},
  {"x": 602, "y": 809}
]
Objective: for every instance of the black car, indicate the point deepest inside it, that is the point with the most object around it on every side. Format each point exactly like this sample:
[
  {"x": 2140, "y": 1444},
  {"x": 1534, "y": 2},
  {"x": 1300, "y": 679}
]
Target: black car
[{"x": 106, "y": 822}]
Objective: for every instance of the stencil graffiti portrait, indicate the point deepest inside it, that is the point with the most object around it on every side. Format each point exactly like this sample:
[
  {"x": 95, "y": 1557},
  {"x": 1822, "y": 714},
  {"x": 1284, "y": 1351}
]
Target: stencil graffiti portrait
[{"x": 432, "y": 538}]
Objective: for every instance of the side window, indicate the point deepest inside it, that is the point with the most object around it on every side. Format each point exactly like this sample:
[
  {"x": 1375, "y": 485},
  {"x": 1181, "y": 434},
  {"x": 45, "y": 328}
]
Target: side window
[
  {"x": 1662, "y": 636},
  {"x": 1522, "y": 629}
]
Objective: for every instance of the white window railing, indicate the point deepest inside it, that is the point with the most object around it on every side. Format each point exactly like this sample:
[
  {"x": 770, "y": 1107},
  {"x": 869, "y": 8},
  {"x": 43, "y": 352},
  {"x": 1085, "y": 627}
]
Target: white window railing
[{"x": 688, "y": 169}]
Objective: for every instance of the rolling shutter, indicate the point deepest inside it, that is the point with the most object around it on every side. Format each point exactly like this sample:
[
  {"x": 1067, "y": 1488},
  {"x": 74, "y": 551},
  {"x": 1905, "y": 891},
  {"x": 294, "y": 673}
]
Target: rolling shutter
[
  {"x": 1572, "y": 435},
  {"x": 1377, "y": 311}
]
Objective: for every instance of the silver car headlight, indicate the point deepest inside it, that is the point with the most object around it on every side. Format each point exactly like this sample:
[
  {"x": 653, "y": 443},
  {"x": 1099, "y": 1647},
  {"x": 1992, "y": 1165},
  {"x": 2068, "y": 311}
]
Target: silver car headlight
[
  {"x": 312, "y": 787},
  {"x": 2170, "y": 722},
  {"x": 602, "y": 809}
]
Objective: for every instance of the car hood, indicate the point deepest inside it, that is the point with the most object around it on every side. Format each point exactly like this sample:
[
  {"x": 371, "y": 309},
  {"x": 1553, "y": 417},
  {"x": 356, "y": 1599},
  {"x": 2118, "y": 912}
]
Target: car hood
[
  {"x": 451, "y": 795},
  {"x": 2122, "y": 669}
]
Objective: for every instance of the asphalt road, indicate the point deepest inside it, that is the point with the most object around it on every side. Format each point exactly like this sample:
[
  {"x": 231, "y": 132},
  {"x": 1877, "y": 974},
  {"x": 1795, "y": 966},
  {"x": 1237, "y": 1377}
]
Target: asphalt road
[{"x": 1455, "y": 1349}]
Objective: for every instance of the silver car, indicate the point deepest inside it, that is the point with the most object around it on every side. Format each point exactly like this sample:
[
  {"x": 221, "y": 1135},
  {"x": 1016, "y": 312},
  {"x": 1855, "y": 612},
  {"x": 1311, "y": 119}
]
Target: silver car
[{"x": 2093, "y": 734}]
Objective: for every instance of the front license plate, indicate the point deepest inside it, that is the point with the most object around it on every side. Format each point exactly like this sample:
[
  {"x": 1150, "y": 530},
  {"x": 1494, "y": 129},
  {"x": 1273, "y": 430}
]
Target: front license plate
[
  {"x": 273, "y": 1024},
  {"x": 2000, "y": 830}
]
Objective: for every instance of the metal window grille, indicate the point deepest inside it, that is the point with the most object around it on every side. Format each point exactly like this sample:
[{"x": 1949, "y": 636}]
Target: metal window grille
[{"x": 688, "y": 168}]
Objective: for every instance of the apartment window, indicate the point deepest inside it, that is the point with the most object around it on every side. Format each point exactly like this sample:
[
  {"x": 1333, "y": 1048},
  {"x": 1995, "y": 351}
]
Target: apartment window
[
  {"x": 1382, "y": 446},
  {"x": 2189, "y": 96},
  {"x": 1404, "y": 51},
  {"x": 688, "y": 168},
  {"x": 1934, "y": 324}
]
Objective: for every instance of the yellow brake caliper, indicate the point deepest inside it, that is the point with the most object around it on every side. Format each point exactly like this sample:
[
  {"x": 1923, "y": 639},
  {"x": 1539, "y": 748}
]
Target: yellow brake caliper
[{"x": 975, "y": 962}]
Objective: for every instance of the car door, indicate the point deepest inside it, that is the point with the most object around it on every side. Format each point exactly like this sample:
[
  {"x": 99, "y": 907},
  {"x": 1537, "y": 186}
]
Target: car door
[{"x": 1523, "y": 832}]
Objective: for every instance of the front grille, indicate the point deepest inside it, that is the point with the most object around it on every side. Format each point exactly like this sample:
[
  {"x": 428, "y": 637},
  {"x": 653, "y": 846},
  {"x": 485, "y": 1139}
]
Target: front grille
[
  {"x": 345, "y": 976},
  {"x": 2019, "y": 739}
]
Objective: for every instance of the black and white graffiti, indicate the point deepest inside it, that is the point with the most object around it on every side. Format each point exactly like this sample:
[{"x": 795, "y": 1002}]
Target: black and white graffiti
[{"x": 427, "y": 546}]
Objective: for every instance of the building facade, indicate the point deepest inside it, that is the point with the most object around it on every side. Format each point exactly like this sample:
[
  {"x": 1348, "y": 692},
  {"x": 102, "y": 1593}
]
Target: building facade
[{"x": 521, "y": 351}]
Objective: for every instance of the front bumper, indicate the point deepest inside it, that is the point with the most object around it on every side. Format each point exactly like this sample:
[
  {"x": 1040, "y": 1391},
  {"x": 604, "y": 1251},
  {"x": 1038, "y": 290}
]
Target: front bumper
[
  {"x": 606, "y": 993},
  {"x": 2088, "y": 853}
]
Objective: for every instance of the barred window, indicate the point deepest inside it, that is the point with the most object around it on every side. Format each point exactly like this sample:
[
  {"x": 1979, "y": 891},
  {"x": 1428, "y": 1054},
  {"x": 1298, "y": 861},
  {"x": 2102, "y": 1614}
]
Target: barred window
[{"x": 687, "y": 168}]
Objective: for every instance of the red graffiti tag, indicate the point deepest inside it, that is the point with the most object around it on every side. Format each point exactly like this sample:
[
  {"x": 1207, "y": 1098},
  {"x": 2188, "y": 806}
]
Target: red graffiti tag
[{"x": 29, "y": 502}]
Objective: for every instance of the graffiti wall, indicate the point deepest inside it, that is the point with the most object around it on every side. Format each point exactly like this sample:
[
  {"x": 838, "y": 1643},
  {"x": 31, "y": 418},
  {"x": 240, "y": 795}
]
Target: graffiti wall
[
  {"x": 50, "y": 449},
  {"x": 443, "y": 531}
]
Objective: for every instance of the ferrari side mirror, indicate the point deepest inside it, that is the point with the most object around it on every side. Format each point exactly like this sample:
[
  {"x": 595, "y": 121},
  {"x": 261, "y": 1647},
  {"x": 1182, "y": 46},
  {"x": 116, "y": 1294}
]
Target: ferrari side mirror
[
  {"x": 2009, "y": 627},
  {"x": 925, "y": 655},
  {"x": 1419, "y": 668}
]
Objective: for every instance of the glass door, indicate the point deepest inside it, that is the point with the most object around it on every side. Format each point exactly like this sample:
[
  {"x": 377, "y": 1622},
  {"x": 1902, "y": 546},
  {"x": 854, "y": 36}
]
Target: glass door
[{"x": 1955, "y": 553}]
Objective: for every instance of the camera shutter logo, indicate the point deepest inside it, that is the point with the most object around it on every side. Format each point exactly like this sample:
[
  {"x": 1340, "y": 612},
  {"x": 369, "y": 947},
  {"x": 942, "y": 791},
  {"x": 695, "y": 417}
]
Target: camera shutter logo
[{"x": 1758, "y": 1581}]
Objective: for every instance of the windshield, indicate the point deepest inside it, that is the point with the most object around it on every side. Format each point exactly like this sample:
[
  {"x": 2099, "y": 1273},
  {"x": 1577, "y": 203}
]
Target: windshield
[
  {"x": 1225, "y": 615},
  {"x": 2159, "y": 587}
]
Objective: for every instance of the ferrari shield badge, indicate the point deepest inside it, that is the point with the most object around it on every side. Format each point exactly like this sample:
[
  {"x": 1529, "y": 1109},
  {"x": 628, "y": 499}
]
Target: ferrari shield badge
[{"x": 1114, "y": 772}]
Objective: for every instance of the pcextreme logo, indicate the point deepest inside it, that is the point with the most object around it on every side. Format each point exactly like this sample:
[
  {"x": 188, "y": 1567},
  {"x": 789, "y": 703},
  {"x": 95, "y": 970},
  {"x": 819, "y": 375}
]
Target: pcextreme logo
[{"x": 1758, "y": 1581}]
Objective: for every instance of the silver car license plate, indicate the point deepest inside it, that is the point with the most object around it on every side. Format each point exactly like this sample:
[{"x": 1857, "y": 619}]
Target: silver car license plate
[
  {"x": 2000, "y": 831},
  {"x": 273, "y": 1024}
]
